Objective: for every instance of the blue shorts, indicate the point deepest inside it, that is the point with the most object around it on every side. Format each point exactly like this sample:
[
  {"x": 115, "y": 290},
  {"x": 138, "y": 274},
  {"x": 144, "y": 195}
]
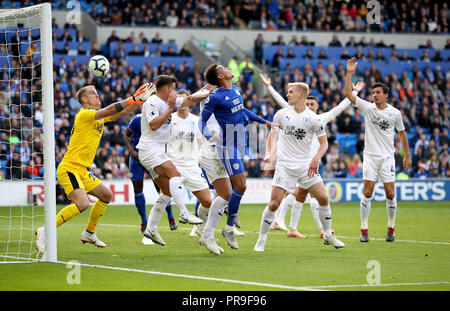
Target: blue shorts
[
  {"x": 137, "y": 171},
  {"x": 231, "y": 159}
]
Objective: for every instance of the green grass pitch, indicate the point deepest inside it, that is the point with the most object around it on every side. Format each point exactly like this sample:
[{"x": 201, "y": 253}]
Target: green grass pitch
[{"x": 419, "y": 258}]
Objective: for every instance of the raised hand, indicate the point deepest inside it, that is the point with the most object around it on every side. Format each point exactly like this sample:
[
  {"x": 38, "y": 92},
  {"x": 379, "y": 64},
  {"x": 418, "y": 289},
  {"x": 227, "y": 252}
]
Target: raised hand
[
  {"x": 144, "y": 92},
  {"x": 265, "y": 80},
  {"x": 172, "y": 99},
  {"x": 351, "y": 64},
  {"x": 359, "y": 86}
]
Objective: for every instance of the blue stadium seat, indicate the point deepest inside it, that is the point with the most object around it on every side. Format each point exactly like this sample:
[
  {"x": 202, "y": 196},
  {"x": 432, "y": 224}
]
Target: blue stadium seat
[
  {"x": 60, "y": 31},
  {"x": 68, "y": 58},
  {"x": 152, "y": 47},
  {"x": 139, "y": 61},
  {"x": 73, "y": 45}
]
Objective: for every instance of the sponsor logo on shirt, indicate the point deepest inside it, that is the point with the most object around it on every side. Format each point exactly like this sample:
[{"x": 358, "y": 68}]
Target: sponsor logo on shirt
[
  {"x": 298, "y": 133},
  {"x": 238, "y": 107}
]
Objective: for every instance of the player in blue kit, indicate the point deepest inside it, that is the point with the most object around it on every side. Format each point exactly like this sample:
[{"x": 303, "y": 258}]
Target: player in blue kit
[
  {"x": 227, "y": 106},
  {"x": 133, "y": 132}
]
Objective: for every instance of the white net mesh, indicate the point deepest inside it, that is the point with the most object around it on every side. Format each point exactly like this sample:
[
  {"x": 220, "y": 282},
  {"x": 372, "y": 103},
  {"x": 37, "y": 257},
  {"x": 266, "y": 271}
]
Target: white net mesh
[{"x": 21, "y": 141}]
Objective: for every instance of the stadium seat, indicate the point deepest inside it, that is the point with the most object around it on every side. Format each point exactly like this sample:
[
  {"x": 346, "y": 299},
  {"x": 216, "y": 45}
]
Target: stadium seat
[
  {"x": 152, "y": 47},
  {"x": 139, "y": 61}
]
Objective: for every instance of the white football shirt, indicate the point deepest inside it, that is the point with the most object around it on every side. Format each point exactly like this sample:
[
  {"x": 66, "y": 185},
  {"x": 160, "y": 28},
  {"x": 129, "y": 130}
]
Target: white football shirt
[
  {"x": 152, "y": 108},
  {"x": 380, "y": 127},
  {"x": 182, "y": 146},
  {"x": 296, "y": 136}
]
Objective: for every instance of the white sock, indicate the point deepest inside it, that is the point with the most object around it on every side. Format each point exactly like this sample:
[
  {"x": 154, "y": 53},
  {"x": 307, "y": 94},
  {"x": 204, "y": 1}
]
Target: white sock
[
  {"x": 284, "y": 207},
  {"x": 177, "y": 193},
  {"x": 266, "y": 220},
  {"x": 157, "y": 211},
  {"x": 314, "y": 205},
  {"x": 202, "y": 213},
  {"x": 365, "y": 206},
  {"x": 391, "y": 208},
  {"x": 214, "y": 215},
  {"x": 325, "y": 218},
  {"x": 296, "y": 212}
]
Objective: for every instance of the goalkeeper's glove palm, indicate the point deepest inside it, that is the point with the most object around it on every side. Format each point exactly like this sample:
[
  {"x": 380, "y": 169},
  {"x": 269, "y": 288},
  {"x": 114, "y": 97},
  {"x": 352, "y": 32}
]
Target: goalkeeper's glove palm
[{"x": 141, "y": 95}]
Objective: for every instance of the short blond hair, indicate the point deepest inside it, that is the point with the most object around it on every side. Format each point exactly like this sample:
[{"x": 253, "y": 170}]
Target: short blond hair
[
  {"x": 82, "y": 92},
  {"x": 301, "y": 86}
]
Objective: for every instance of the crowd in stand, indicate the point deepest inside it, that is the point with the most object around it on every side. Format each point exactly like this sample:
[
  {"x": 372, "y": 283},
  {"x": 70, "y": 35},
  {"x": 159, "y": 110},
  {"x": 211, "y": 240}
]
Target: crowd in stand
[
  {"x": 406, "y": 16},
  {"x": 423, "y": 98}
]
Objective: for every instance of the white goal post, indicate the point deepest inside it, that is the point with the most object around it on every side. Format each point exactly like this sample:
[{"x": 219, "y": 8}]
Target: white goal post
[{"x": 37, "y": 17}]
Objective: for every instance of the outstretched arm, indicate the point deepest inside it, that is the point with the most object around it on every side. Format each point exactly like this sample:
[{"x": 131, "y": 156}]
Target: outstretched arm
[
  {"x": 198, "y": 96},
  {"x": 119, "y": 109},
  {"x": 333, "y": 113},
  {"x": 276, "y": 96}
]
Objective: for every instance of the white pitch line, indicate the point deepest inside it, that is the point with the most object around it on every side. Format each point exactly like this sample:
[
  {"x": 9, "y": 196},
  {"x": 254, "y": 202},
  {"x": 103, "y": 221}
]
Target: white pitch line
[
  {"x": 283, "y": 233},
  {"x": 300, "y": 288},
  {"x": 381, "y": 285}
]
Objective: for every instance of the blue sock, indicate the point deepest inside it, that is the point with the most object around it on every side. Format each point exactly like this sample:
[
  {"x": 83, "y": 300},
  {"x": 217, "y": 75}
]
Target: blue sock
[
  {"x": 233, "y": 206},
  {"x": 196, "y": 207},
  {"x": 169, "y": 211},
  {"x": 139, "y": 200}
]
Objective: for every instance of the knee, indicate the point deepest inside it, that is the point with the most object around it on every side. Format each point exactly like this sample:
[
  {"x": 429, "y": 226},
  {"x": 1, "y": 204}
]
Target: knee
[
  {"x": 322, "y": 200},
  {"x": 106, "y": 196},
  {"x": 367, "y": 194},
  {"x": 206, "y": 203},
  {"x": 241, "y": 188},
  {"x": 390, "y": 195},
  {"x": 274, "y": 204},
  {"x": 301, "y": 197},
  {"x": 83, "y": 205}
]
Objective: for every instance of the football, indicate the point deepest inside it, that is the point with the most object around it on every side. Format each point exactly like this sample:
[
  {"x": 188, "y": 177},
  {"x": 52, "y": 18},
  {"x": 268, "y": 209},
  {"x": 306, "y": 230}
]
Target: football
[{"x": 99, "y": 66}]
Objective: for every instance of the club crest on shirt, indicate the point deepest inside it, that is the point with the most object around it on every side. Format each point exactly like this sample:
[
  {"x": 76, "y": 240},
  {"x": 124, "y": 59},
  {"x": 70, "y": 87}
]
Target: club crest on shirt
[
  {"x": 236, "y": 166},
  {"x": 307, "y": 121}
]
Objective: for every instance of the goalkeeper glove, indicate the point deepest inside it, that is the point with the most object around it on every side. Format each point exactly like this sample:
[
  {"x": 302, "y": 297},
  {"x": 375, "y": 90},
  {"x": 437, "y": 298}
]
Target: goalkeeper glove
[{"x": 141, "y": 95}]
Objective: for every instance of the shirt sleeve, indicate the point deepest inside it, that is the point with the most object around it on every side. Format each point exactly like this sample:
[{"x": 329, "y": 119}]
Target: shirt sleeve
[
  {"x": 253, "y": 117},
  {"x": 318, "y": 127},
  {"x": 399, "y": 126},
  {"x": 278, "y": 98},
  {"x": 277, "y": 117},
  {"x": 132, "y": 124},
  {"x": 151, "y": 111},
  {"x": 210, "y": 103},
  {"x": 203, "y": 128},
  {"x": 86, "y": 115},
  {"x": 333, "y": 113},
  {"x": 362, "y": 105}
]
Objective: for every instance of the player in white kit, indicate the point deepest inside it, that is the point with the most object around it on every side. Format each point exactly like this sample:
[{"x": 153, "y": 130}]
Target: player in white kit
[
  {"x": 300, "y": 193},
  {"x": 298, "y": 125},
  {"x": 182, "y": 150},
  {"x": 381, "y": 121},
  {"x": 155, "y": 130}
]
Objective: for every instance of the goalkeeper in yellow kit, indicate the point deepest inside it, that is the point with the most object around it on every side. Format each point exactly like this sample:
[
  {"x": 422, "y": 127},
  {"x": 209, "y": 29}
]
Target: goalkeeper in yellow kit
[{"x": 73, "y": 171}]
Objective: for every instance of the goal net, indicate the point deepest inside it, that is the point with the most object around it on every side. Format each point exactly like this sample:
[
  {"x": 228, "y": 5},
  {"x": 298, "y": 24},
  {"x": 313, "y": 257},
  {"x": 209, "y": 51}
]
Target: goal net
[{"x": 27, "y": 171}]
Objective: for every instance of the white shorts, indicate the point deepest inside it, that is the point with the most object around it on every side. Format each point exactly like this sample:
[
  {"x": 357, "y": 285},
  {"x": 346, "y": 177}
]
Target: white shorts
[
  {"x": 288, "y": 179},
  {"x": 153, "y": 158},
  {"x": 192, "y": 178},
  {"x": 379, "y": 167},
  {"x": 210, "y": 162}
]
